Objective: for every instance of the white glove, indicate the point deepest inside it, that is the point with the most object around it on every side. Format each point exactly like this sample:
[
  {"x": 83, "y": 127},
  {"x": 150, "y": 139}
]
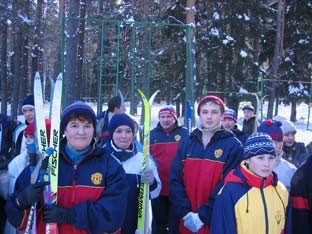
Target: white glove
[
  {"x": 141, "y": 231},
  {"x": 192, "y": 221},
  {"x": 147, "y": 176}
]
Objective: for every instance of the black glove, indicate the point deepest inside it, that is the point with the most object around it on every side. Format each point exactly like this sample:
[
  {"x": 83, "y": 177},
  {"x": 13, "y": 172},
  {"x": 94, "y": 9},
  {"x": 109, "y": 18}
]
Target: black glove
[
  {"x": 58, "y": 214},
  {"x": 31, "y": 194}
]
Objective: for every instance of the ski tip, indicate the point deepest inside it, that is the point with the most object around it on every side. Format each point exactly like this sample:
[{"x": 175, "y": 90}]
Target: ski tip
[
  {"x": 140, "y": 91},
  {"x": 37, "y": 75},
  {"x": 60, "y": 76}
]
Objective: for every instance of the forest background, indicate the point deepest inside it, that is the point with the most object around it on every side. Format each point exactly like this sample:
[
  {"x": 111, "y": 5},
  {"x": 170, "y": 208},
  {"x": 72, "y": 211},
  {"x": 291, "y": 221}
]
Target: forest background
[{"x": 237, "y": 47}]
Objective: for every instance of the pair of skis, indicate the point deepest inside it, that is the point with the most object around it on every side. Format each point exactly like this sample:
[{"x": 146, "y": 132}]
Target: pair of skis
[
  {"x": 143, "y": 209},
  {"x": 50, "y": 193}
]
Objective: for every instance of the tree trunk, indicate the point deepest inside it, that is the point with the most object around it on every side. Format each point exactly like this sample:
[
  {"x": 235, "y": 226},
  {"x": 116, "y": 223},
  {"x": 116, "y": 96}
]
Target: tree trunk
[
  {"x": 70, "y": 80},
  {"x": 18, "y": 36},
  {"x": 81, "y": 35},
  {"x": 293, "y": 111},
  {"x": 277, "y": 55},
  {"x": 26, "y": 86},
  {"x": 3, "y": 65},
  {"x": 36, "y": 65},
  {"x": 99, "y": 46},
  {"x": 57, "y": 64}
]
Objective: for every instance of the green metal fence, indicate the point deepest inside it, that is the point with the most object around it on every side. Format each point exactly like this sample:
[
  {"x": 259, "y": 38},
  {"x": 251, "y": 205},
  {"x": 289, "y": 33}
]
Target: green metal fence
[{"x": 127, "y": 55}]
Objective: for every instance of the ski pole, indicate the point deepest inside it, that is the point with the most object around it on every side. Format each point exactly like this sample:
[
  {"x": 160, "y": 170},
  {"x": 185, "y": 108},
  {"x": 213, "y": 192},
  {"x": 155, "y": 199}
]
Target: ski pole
[{"x": 38, "y": 173}]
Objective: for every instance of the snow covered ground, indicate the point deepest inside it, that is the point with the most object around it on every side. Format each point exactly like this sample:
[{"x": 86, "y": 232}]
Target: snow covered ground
[{"x": 302, "y": 135}]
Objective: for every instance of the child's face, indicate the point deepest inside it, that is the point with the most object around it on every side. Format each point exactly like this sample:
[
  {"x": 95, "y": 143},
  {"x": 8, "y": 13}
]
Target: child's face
[
  {"x": 248, "y": 114},
  {"x": 228, "y": 124},
  {"x": 289, "y": 138},
  {"x": 261, "y": 165},
  {"x": 278, "y": 147},
  {"x": 29, "y": 114},
  {"x": 29, "y": 139},
  {"x": 123, "y": 137}
]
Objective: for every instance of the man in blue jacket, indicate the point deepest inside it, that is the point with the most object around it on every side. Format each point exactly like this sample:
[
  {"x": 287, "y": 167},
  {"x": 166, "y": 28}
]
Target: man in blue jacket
[{"x": 198, "y": 169}]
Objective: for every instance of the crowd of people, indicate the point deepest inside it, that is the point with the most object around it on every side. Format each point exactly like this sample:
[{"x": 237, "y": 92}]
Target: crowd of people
[{"x": 218, "y": 179}]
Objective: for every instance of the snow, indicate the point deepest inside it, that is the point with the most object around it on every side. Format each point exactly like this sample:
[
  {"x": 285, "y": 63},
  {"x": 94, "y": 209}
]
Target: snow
[
  {"x": 246, "y": 17},
  {"x": 214, "y": 31},
  {"x": 303, "y": 135},
  {"x": 243, "y": 53},
  {"x": 301, "y": 124},
  {"x": 303, "y": 41},
  {"x": 216, "y": 16}
]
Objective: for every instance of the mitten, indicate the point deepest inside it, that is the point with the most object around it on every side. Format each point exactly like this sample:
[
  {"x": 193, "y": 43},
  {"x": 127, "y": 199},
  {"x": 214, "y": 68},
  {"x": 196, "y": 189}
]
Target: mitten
[
  {"x": 147, "y": 176},
  {"x": 192, "y": 221},
  {"x": 58, "y": 214}
]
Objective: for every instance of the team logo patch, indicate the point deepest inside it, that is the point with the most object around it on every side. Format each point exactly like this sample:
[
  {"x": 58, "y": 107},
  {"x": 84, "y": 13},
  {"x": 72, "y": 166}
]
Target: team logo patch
[
  {"x": 177, "y": 137},
  {"x": 218, "y": 153},
  {"x": 96, "y": 178},
  {"x": 278, "y": 217}
]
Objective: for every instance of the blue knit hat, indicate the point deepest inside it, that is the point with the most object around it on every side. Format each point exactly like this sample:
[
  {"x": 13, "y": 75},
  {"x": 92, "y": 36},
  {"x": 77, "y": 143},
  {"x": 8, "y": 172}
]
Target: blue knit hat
[
  {"x": 118, "y": 120},
  {"x": 258, "y": 143},
  {"x": 273, "y": 128},
  {"x": 230, "y": 114},
  {"x": 28, "y": 102},
  {"x": 77, "y": 108}
]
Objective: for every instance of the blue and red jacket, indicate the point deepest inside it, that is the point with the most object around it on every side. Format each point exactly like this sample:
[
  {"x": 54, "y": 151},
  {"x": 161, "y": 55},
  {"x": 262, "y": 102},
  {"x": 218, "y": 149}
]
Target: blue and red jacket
[
  {"x": 163, "y": 146},
  {"x": 96, "y": 188},
  {"x": 249, "y": 203},
  {"x": 197, "y": 174},
  {"x": 301, "y": 196}
]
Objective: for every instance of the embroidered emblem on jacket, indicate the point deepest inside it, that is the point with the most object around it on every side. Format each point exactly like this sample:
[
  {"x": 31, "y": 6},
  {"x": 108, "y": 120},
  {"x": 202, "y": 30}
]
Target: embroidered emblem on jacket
[
  {"x": 218, "y": 153},
  {"x": 278, "y": 217},
  {"x": 96, "y": 178},
  {"x": 177, "y": 137}
]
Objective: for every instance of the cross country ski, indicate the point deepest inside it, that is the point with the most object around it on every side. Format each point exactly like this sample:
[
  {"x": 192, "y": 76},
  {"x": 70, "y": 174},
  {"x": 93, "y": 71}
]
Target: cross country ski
[{"x": 142, "y": 225}]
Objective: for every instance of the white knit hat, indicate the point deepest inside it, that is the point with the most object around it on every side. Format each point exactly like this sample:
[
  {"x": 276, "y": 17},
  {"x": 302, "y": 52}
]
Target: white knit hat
[{"x": 286, "y": 125}]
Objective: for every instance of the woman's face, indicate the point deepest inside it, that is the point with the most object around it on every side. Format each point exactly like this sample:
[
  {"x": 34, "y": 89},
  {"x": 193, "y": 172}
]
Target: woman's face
[
  {"x": 79, "y": 134},
  {"x": 261, "y": 165},
  {"x": 123, "y": 137}
]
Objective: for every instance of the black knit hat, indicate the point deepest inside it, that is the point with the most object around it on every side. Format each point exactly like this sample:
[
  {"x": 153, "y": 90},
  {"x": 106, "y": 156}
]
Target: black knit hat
[
  {"x": 118, "y": 120},
  {"x": 28, "y": 102},
  {"x": 77, "y": 108}
]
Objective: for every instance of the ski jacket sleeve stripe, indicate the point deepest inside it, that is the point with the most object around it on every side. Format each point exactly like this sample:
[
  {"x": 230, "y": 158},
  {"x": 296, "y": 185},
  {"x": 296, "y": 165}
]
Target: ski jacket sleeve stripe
[{"x": 300, "y": 203}]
